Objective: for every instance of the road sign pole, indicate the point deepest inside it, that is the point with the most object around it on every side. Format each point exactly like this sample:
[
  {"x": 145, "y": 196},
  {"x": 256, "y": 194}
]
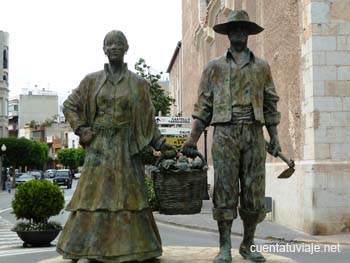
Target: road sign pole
[{"x": 205, "y": 145}]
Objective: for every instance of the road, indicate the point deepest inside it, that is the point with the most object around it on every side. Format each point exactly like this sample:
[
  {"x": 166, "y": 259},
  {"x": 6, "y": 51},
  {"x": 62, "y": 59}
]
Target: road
[{"x": 11, "y": 250}]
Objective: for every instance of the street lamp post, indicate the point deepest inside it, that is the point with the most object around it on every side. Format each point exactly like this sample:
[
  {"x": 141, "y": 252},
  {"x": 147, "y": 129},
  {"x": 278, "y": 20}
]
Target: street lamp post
[{"x": 3, "y": 177}]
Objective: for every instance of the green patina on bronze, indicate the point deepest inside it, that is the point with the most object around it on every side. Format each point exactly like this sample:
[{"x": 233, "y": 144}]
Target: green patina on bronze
[
  {"x": 237, "y": 96},
  {"x": 112, "y": 112}
]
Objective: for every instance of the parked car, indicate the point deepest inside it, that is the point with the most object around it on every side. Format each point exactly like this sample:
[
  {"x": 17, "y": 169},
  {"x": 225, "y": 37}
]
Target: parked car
[
  {"x": 63, "y": 177},
  {"x": 25, "y": 177},
  {"x": 37, "y": 174},
  {"x": 76, "y": 175},
  {"x": 18, "y": 175},
  {"x": 50, "y": 173}
]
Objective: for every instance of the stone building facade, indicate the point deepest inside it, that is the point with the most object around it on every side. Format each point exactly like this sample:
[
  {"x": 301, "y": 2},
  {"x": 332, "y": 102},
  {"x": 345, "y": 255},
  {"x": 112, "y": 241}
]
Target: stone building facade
[
  {"x": 4, "y": 82},
  {"x": 307, "y": 44},
  {"x": 175, "y": 82}
]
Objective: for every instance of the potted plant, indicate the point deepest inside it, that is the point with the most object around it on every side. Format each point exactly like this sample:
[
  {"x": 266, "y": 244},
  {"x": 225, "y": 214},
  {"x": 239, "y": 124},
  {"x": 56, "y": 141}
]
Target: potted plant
[{"x": 36, "y": 201}]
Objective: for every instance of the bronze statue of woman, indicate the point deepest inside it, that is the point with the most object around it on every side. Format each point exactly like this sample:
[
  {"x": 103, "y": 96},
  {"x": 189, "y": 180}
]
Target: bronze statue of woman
[{"x": 112, "y": 113}]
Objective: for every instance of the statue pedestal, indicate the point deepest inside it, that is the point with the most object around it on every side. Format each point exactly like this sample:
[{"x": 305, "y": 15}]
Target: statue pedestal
[{"x": 193, "y": 255}]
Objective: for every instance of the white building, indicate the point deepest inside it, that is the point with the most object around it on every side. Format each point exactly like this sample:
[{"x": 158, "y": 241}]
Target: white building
[
  {"x": 4, "y": 90},
  {"x": 36, "y": 106}
]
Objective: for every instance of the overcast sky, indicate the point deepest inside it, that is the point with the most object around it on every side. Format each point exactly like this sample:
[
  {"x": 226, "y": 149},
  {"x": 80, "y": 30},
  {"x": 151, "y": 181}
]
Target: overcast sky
[{"x": 54, "y": 44}]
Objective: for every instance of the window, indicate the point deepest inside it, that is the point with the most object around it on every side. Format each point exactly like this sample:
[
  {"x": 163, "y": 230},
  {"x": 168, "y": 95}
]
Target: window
[
  {"x": 13, "y": 107},
  {"x": 5, "y": 58},
  {"x": 5, "y": 77},
  {"x": 36, "y": 135}
]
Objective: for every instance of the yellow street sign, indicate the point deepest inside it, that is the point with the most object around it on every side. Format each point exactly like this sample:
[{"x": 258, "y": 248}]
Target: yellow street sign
[{"x": 177, "y": 141}]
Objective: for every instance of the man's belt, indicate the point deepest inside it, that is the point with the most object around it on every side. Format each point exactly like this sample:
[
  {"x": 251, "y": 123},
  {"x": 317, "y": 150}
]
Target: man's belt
[{"x": 242, "y": 114}]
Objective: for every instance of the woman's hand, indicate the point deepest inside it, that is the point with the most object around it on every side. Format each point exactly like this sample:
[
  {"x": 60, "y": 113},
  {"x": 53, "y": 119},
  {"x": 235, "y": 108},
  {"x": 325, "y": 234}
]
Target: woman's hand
[
  {"x": 86, "y": 134},
  {"x": 168, "y": 151}
]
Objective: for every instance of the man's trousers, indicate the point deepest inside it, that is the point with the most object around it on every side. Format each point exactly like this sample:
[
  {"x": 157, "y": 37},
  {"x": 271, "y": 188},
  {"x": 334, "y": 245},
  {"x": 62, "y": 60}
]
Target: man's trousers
[{"x": 239, "y": 156}]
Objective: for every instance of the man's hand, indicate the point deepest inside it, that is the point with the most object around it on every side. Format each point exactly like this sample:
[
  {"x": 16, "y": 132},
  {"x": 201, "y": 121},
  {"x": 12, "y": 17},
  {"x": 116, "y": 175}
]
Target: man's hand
[
  {"x": 189, "y": 148},
  {"x": 168, "y": 150},
  {"x": 274, "y": 146},
  {"x": 86, "y": 134}
]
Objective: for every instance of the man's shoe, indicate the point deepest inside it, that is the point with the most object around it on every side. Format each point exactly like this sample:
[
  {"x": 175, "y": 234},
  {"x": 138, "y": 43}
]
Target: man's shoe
[
  {"x": 224, "y": 256},
  {"x": 247, "y": 254}
]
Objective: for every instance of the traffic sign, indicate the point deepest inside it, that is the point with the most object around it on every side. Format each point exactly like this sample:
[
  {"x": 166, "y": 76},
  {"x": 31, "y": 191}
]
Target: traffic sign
[
  {"x": 173, "y": 120},
  {"x": 177, "y": 141},
  {"x": 175, "y": 131}
]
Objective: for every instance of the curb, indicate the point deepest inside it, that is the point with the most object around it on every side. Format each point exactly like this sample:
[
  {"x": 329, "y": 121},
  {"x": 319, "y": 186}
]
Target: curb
[
  {"x": 268, "y": 238},
  {"x": 201, "y": 228}
]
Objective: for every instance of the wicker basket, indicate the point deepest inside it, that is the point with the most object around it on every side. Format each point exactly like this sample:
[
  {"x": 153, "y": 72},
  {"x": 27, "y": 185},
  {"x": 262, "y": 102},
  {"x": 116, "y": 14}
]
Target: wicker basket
[{"x": 180, "y": 192}]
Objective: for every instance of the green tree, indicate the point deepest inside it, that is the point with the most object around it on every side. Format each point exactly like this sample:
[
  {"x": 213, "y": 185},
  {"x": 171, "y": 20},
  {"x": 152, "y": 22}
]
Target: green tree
[
  {"x": 67, "y": 157},
  {"x": 24, "y": 152},
  {"x": 161, "y": 101},
  {"x": 17, "y": 151},
  {"x": 33, "y": 124},
  {"x": 38, "y": 155}
]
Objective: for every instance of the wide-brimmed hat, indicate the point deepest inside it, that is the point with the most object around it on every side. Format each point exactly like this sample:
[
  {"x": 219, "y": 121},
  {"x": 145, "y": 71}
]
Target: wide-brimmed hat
[{"x": 235, "y": 18}]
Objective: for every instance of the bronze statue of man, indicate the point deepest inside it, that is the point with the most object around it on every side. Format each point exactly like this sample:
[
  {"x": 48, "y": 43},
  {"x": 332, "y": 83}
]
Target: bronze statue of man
[{"x": 237, "y": 96}]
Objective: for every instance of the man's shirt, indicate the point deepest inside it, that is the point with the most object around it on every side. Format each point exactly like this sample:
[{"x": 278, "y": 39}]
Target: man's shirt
[{"x": 225, "y": 84}]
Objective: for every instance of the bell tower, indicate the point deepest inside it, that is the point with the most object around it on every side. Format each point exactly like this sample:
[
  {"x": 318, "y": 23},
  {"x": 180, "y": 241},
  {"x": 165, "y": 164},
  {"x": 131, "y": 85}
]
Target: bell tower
[{"x": 4, "y": 83}]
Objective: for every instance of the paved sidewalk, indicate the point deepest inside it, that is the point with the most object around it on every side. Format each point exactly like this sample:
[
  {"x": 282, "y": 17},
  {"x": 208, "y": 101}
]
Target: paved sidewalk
[
  {"x": 265, "y": 230},
  {"x": 172, "y": 254},
  {"x": 4, "y": 191}
]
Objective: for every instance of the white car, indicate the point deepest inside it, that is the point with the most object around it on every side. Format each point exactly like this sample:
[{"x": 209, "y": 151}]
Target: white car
[
  {"x": 25, "y": 178},
  {"x": 50, "y": 173}
]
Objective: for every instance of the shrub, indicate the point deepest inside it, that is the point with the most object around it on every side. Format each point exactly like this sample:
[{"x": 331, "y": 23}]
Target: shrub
[
  {"x": 152, "y": 199},
  {"x": 37, "y": 201}
]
